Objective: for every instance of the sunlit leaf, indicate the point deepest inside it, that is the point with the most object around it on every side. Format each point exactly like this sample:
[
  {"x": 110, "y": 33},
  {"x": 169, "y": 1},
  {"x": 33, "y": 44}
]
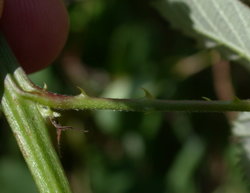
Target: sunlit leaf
[{"x": 221, "y": 23}]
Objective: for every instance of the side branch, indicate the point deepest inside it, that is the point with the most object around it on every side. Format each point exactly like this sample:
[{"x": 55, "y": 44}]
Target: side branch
[{"x": 83, "y": 102}]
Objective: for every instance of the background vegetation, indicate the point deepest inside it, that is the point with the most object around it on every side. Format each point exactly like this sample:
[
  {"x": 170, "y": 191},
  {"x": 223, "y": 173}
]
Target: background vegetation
[{"x": 114, "y": 49}]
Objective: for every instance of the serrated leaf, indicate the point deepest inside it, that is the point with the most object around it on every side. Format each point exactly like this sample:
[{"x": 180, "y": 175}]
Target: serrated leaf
[{"x": 219, "y": 22}]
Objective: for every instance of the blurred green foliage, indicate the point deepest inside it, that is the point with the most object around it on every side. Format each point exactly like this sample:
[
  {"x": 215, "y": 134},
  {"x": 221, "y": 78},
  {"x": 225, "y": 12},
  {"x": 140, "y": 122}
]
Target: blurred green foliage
[{"x": 116, "y": 48}]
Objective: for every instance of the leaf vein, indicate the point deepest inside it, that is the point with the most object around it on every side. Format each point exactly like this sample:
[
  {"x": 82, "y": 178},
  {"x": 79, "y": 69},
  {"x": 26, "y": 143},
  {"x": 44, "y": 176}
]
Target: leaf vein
[{"x": 237, "y": 36}]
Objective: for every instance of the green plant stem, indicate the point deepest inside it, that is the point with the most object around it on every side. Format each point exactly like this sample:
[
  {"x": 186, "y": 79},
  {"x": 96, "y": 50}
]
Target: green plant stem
[
  {"x": 83, "y": 102},
  {"x": 20, "y": 105},
  {"x": 30, "y": 128},
  {"x": 138, "y": 105}
]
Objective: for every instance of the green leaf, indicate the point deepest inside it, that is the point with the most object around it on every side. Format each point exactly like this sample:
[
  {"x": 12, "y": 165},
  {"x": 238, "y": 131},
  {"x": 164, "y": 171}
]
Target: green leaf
[{"x": 220, "y": 23}]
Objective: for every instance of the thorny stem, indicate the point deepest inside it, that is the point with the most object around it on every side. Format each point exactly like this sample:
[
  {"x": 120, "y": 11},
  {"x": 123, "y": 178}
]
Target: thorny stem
[
  {"x": 20, "y": 105},
  {"x": 83, "y": 102},
  {"x": 29, "y": 128}
]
